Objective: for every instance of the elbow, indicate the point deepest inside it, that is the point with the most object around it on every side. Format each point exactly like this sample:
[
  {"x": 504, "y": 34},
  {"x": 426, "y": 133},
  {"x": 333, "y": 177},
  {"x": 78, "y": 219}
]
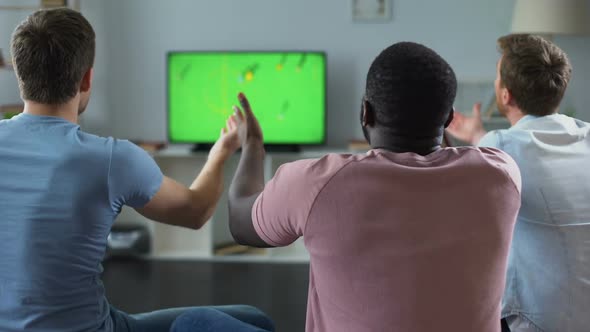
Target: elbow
[
  {"x": 236, "y": 234},
  {"x": 196, "y": 225},
  {"x": 234, "y": 228},
  {"x": 200, "y": 219}
]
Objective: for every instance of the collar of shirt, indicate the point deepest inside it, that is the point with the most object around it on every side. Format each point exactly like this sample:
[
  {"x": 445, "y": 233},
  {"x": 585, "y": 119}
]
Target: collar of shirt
[{"x": 525, "y": 119}]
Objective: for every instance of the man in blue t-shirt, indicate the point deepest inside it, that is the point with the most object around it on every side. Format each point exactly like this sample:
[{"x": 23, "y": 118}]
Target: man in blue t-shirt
[{"x": 61, "y": 189}]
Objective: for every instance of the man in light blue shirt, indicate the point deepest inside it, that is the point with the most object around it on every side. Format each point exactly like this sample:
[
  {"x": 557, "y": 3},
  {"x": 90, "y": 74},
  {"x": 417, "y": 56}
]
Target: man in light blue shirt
[
  {"x": 61, "y": 189},
  {"x": 548, "y": 278}
]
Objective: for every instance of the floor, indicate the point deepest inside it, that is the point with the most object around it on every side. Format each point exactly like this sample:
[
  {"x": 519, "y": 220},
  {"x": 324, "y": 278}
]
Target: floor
[{"x": 278, "y": 289}]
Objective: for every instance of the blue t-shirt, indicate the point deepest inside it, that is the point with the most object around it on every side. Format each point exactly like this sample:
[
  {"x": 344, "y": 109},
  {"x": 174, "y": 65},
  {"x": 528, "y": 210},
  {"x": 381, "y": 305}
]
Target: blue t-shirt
[{"x": 60, "y": 191}]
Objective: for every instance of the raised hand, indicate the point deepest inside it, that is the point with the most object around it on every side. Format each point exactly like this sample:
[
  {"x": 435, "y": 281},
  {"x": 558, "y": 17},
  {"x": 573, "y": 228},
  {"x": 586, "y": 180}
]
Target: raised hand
[
  {"x": 249, "y": 130},
  {"x": 228, "y": 141},
  {"x": 468, "y": 128}
]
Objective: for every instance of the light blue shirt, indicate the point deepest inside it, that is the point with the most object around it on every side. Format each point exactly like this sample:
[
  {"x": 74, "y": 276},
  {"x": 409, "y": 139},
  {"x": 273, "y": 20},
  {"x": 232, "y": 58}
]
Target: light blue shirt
[
  {"x": 60, "y": 191},
  {"x": 548, "y": 280}
]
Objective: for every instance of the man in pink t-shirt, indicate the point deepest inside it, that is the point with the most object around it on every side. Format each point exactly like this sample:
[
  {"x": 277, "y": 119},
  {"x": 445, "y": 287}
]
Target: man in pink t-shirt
[{"x": 390, "y": 248}]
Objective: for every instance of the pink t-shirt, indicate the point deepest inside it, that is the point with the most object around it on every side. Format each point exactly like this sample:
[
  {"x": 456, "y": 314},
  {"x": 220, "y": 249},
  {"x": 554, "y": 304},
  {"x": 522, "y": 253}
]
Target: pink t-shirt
[{"x": 398, "y": 241}]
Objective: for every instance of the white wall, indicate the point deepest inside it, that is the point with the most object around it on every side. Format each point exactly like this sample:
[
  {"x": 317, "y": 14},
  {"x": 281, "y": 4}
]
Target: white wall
[
  {"x": 8, "y": 21},
  {"x": 577, "y": 95},
  {"x": 96, "y": 119},
  {"x": 140, "y": 32},
  {"x": 133, "y": 37}
]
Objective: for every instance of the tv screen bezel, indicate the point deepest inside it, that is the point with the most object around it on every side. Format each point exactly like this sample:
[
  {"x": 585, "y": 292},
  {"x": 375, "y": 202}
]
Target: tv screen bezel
[{"x": 167, "y": 88}]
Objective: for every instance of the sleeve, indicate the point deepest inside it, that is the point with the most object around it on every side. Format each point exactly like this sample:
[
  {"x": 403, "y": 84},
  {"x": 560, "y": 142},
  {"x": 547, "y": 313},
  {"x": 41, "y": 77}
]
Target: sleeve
[
  {"x": 134, "y": 176},
  {"x": 506, "y": 163},
  {"x": 494, "y": 139},
  {"x": 281, "y": 211}
]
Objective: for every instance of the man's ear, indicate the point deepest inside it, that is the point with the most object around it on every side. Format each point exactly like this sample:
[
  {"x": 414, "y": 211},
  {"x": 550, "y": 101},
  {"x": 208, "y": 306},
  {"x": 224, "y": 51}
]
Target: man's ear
[
  {"x": 86, "y": 83},
  {"x": 506, "y": 97},
  {"x": 368, "y": 118},
  {"x": 451, "y": 117}
]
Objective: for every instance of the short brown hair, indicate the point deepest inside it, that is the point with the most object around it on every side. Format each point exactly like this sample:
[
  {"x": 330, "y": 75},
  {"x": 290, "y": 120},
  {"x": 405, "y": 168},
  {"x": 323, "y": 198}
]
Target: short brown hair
[
  {"x": 52, "y": 50},
  {"x": 535, "y": 71}
]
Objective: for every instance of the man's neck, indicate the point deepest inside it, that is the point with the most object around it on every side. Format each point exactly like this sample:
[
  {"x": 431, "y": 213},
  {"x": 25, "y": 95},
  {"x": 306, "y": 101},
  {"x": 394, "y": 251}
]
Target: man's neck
[
  {"x": 68, "y": 111},
  {"x": 514, "y": 117},
  {"x": 400, "y": 144}
]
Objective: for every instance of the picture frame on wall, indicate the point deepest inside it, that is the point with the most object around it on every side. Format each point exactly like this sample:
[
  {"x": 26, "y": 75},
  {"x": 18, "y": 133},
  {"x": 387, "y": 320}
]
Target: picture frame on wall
[
  {"x": 372, "y": 10},
  {"x": 46, "y": 4}
]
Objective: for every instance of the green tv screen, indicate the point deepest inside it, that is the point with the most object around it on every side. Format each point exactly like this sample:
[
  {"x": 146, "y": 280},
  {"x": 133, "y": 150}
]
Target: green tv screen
[{"x": 287, "y": 91}]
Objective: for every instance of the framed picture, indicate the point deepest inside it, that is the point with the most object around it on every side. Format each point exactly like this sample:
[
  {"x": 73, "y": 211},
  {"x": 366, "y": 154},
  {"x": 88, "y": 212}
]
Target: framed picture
[
  {"x": 28, "y": 6},
  {"x": 372, "y": 10}
]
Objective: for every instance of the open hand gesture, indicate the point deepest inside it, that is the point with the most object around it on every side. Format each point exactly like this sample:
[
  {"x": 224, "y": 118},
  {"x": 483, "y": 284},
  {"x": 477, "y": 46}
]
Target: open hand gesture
[
  {"x": 468, "y": 128},
  {"x": 249, "y": 130},
  {"x": 228, "y": 141}
]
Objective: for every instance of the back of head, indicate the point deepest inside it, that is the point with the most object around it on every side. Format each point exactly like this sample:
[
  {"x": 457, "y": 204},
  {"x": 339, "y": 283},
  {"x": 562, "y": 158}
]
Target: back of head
[
  {"x": 411, "y": 89},
  {"x": 52, "y": 50},
  {"x": 535, "y": 71}
]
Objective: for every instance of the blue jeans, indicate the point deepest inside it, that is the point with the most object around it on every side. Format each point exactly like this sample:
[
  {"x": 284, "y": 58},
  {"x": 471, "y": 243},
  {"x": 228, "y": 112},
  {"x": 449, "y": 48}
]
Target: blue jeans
[{"x": 238, "y": 318}]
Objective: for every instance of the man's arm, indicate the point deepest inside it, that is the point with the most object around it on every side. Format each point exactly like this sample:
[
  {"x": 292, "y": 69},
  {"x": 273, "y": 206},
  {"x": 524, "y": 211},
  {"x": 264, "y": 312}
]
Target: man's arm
[
  {"x": 248, "y": 181},
  {"x": 192, "y": 207}
]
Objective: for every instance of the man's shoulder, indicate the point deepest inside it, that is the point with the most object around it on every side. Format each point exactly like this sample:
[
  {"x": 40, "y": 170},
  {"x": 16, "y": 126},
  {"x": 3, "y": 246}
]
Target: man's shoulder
[
  {"x": 325, "y": 165},
  {"x": 492, "y": 160},
  {"x": 109, "y": 148},
  {"x": 488, "y": 152},
  {"x": 112, "y": 145},
  {"x": 316, "y": 172},
  {"x": 483, "y": 155},
  {"x": 89, "y": 138}
]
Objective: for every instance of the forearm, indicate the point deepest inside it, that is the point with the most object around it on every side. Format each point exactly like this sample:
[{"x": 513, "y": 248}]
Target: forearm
[
  {"x": 249, "y": 178},
  {"x": 248, "y": 183},
  {"x": 208, "y": 186}
]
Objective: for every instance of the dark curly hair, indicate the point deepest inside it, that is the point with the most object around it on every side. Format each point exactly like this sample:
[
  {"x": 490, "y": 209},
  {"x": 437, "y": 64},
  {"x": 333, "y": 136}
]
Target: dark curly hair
[{"x": 411, "y": 90}]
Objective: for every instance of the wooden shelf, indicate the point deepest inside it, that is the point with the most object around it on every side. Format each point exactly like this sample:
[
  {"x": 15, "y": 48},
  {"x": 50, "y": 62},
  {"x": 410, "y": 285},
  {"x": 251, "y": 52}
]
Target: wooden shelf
[{"x": 9, "y": 110}]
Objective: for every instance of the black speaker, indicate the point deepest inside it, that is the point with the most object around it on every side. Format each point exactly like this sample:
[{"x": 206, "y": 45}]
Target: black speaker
[{"x": 128, "y": 240}]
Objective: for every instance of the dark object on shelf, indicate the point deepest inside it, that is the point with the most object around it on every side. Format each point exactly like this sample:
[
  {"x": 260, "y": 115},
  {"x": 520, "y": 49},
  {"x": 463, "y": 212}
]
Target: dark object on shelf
[
  {"x": 150, "y": 146},
  {"x": 202, "y": 147},
  {"x": 359, "y": 146},
  {"x": 8, "y": 111},
  {"x": 128, "y": 240}
]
